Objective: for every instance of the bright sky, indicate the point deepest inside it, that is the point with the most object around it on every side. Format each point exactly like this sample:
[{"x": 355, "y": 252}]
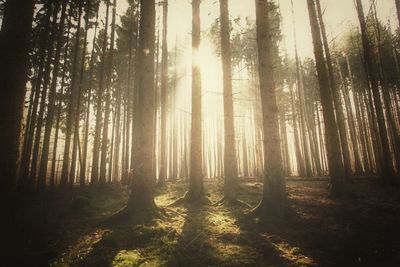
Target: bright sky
[{"x": 339, "y": 15}]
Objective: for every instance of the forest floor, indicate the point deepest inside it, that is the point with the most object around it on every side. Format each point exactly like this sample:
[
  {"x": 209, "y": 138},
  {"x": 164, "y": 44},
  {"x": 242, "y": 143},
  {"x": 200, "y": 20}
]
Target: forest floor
[{"x": 66, "y": 229}]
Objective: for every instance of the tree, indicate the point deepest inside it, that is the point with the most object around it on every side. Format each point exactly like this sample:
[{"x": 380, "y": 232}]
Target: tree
[
  {"x": 336, "y": 169},
  {"x": 66, "y": 178},
  {"x": 230, "y": 167},
  {"x": 274, "y": 195},
  {"x": 14, "y": 50},
  {"x": 337, "y": 101},
  {"x": 141, "y": 199},
  {"x": 196, "y": 188},
  {"x": 52, "y": 100},
  {"x": 164, "y": 95},
  {"x": 371, "y": 71},
  {"x": 100, "y": 91}
]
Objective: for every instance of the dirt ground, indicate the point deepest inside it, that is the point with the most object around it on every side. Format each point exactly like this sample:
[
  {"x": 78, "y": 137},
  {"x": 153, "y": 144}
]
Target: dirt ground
[{"x": 67, "y": 229}]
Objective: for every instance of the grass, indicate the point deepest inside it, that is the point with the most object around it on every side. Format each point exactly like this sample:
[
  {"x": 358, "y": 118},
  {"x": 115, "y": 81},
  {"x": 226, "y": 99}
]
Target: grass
[{"x": 65, "y": 229}]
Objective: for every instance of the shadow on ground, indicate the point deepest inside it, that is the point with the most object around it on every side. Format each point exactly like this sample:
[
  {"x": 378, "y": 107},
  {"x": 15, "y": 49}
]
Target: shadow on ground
[{"x": 316, "y": 231}]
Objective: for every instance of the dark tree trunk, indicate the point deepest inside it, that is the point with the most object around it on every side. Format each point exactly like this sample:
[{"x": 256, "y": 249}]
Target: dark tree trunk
[
  {"x": 371, "y": 70},
  {"x": 335, "y": 164},
  {"x": 24, "y": 181},
  {"x": 42, "y": 179},
  {"x": 14, "y": 49},
  {"x": 141, "y": 199},
  {"x": 337, "y": 101},
  {"x": 46, "y": 81},
  {"x": 96, "y": 143},
  {"x": 274, "y": 195},
  {"x": 72, "y": 107},
  {"x": 82, "y": 174},
  {"x": 109, "y": 70}
]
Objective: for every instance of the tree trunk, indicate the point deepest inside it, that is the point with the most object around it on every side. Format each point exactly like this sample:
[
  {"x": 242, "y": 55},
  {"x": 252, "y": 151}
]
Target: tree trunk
[
  {"x": 196, "y": 188},
  {"x": 274, "y": 195},
  {"x": 141, "y": 197},
  {"x": 52, "y": 101},
  {"x": 14, "y": 49},
  {"x": 337, "y": 101},
  {"x": 109, "y": 62},
  {"x": 164, "y": 96},
  {"x": 385, "y": 156},
  {"x": 24, "y": 181},
  {"x": 72, "y": 107},
  {"x": 335, "y": 164},
  {"x": 230, "y": 167},
  {"x": 82, "y": 174},
  {"x": 96, "y": 143},
  {"x": 46, "y": 81}
]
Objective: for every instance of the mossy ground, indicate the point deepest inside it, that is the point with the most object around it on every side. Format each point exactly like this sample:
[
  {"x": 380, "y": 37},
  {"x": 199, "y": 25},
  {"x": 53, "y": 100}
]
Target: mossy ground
[{"x": 67, "y": 229}]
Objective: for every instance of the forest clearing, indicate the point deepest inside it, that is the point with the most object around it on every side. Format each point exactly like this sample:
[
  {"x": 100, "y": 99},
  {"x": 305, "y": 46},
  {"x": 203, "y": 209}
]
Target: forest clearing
[{"x": 200, "y": 132}]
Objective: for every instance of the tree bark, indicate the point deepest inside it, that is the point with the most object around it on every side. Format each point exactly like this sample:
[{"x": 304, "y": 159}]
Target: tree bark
[
  {"x": 14, "y": 50},
  {"x": 141, "y": 197},
  {"x": 196, "y": 188},
  {"x": 230, "y": 167},
  {"x": 274, "y": 195},
  {"x": 42, "y": 179},
  {"x": 164, "y": 96},
  {"x": 335, "y": 164},
  {"x": 371, "y": 70}
]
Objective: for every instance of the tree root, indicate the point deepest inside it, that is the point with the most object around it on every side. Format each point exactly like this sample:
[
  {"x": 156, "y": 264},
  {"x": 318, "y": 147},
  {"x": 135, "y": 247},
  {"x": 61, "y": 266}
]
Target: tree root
[
  {"x": 231, "y": 201},
  {"x": 187, "y": 198}
]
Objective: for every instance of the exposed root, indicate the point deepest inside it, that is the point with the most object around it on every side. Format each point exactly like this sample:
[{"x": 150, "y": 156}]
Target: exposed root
[
  {"x": 231, "y": 201},
  {"x": 134, "y": 215},
  {"x": 188, "y": 198}
]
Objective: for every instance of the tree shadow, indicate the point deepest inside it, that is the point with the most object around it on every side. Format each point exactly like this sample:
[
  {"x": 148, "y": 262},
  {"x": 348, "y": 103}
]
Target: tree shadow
[{"x": 194, "y": 247}]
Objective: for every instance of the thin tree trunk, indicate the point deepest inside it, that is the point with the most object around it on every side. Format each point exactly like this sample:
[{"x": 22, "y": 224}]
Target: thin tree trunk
[
  {"x": 335, "y": 164},
  {"x": 385, "y": 156},
  {"x": 110, "y": 62},
  {"x": 164, "y": 96},
  {"x": 73, "y": 106},
  {"x": 82, "y": 174},
  {"x": 196, "y": 188},
  {"x": 42, "y": 180},
  {"x": 230, "y": 167},
  {"x": 96, "y": 143}
]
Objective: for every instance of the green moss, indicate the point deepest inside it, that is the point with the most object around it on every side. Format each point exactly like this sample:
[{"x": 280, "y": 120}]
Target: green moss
[{"x": 127, "y": 258}]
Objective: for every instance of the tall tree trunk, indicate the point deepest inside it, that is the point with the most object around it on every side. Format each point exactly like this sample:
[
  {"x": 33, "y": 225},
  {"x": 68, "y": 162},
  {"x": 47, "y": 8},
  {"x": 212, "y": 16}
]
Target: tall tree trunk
[
  {"x": 110, "y": 63},
  {"x": 385, "y": 156},
  {"x": 398, "y": 10},
  {"x": 230, "y": 167},
  {"x": 24, "y": 181},
  {"x": 337, "y": 101},
  {"x": 46, "y": 81},
  {"x": 14, "y": 49},
  {"x": 274, "y": 195},
  {"x": 72, "y": 107},
  {"x": 164, "y": 96},
  {"x": 96, "y": 143},
  {"x": 196, "y": 188},
  {"x": 54, "y": 162},
  {"x": 82, "y": 174},
  {"x": 52, "y": 101},
  {"x": 335, "y": 164},
  {"x": 141, "y": 198}
]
